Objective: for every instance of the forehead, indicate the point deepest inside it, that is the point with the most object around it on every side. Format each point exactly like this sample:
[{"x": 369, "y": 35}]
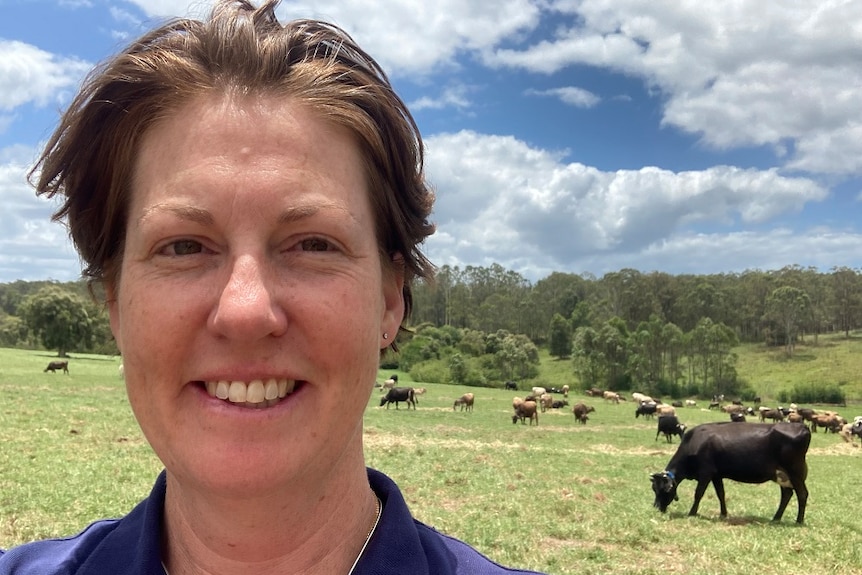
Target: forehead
[{"x": 248, "y": 141}]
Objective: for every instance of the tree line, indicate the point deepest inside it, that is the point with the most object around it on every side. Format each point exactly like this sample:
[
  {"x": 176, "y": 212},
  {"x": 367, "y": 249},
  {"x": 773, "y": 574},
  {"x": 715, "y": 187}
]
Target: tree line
[{"x": 669, "y": 334}]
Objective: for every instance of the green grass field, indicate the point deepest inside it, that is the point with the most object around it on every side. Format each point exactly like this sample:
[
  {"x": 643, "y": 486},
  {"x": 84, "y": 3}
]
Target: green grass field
[{"x": 561, "y": 497}]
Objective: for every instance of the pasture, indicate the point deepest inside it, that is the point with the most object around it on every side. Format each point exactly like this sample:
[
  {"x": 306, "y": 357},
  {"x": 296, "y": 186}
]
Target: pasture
[{"x": 559, "y": 497}]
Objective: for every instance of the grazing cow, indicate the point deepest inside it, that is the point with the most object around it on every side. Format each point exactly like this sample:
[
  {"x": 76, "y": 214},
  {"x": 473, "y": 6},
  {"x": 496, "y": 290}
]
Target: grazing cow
[
  {"x": 524, "y": 411},
  {"x": 690, "y": 403},
  {"x": 566, "y": 390},
  {"x": 848, "y": 430},
  {"x": 397, "y": 395},
  {"x": 745, "y": 452},
  {"x": 670, "y": 426},
  {"x": 647, "y": 409},
  {"x": 611, "y": 396},
  {"x": 595, "y": 392},
  {"x": 55, "y": 365},
  {"x": 546, "y": 401},
  {"x": 775, "y": 415},
  {"x": 538, "y": 391},
  {"x": 510, "y": 385},
  {"x": 829, "y": 421},
  {"x": 580, "y": 410},
  {"x": 389, "y": 383},
  {"x": 465, "y": 401}
]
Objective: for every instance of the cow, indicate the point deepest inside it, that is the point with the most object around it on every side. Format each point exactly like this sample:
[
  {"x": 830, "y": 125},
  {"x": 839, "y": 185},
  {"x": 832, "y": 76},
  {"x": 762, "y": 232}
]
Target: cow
[
  {"x": 465, "y": 401},
  {"x": 526, "y": 410},
  {"x": 744, "y": 452},
  {"x": 389, "y": 384},
  {"x": 55, "y": 365},
  {"x": 580, "y": 411},
  {"x": 558, "y": 403},
  {"x": 647, "y": 409},
  {"x": 397, "y": 395},
  {"x": 566, "y": 390},
  {"x": 511, "y": 385},
  {"x": 670, "y": 426}
]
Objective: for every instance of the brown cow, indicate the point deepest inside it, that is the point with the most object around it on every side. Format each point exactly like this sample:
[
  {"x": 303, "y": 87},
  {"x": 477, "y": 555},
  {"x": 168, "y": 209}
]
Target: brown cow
[
  {"x": 580, "y": 410},
  {"x": 526, "y": 410},
  {"x": 55, "y": 365},
  {"x": 465, "y": 401}
]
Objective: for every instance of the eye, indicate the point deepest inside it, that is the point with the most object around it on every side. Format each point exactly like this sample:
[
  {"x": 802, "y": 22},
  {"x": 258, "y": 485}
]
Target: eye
[
  {"x": 315, "y": 245},
  {"x": 182, "y": 248}
]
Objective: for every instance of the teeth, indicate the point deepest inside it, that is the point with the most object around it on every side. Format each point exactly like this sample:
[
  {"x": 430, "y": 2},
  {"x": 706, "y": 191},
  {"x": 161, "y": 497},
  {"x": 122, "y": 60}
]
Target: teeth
[
  {"x": 256, "y": 393},
  {"x": 271, "y": 390}
]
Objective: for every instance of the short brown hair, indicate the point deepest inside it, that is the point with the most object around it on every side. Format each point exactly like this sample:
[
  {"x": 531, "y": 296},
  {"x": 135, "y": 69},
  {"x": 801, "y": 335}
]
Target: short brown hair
[{"x": 238, "y": 49}]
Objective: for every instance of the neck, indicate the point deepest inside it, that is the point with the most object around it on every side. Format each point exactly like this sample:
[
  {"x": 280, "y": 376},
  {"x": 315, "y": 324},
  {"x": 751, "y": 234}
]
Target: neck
[{"x": 313, "y": 532}]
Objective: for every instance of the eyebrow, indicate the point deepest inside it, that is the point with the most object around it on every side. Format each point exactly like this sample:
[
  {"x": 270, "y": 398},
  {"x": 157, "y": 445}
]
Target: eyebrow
[
  {"x": 183, "y": 212},
  {"x": 204, "y": 217}
]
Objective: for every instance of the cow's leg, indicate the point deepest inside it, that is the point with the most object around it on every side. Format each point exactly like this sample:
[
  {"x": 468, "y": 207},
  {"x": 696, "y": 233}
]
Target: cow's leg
[
  {"x": 718, "y": 483},
  {"x": 657, "y": 434},
  {"x": 702, "y": 484},
  {"x": 801, "y": 500},
  {"x": 786, "y": 494}
]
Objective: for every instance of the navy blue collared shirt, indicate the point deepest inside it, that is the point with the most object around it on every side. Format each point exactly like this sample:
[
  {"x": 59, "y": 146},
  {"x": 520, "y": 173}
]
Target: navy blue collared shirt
[{"x": 401, "y": 545}]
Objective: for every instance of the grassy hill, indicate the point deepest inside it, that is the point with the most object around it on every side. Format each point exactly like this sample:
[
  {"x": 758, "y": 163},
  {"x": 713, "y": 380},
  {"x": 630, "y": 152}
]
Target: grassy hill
[{"x": 830, "y": 360}]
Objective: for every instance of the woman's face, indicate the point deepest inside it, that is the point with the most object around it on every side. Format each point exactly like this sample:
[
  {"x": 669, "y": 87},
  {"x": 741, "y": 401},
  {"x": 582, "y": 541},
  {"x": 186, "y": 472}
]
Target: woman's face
[{"x": 252, "y": 298}]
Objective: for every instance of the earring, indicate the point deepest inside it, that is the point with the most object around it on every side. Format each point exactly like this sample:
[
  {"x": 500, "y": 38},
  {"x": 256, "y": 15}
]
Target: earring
[{"x": 385, "y": 335}]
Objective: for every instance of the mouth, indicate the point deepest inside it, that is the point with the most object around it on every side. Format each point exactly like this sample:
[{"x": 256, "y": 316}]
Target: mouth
[{"x": 256, "y": 394}]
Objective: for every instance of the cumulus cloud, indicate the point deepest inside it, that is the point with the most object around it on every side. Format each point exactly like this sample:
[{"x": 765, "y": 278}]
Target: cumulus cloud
[
  {"x": 500, "y": 198},
  {"x": 31, "y": 246},
  {"x": 570, "y": 95},
  {"x": 32, "y": 76},
  {"x": 744, "y": 73}
]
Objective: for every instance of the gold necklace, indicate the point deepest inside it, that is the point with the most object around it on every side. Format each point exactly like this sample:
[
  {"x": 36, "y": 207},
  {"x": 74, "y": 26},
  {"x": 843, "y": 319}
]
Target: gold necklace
[
  {"x": 370, "y": 533},
  {"x": 377, "y": 515}
]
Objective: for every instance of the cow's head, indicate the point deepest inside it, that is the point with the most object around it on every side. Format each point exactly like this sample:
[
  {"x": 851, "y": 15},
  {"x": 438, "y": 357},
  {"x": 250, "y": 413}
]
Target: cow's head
[{"x": 664, "y": 485}]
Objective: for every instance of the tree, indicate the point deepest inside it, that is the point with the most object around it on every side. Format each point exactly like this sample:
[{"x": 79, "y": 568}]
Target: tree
[
  {"x": 59, "y": 319},
  {"x": 560, "y": 334},
  {"x": 787, "y": 306}
]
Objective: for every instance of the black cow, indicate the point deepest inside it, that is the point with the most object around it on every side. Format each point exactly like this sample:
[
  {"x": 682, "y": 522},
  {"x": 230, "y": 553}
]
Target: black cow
[
  {"x": 646, "y": 408},
  {"x": 745, "y": 452},
  {"x": 55, "y": 365},
  {"x": 670, "y": 426},
  {"x": 397, "y": 395},
  {"x": 511, "y": 385}
]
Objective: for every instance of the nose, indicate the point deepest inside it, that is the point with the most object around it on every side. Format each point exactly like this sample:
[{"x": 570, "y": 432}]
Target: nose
[{"x": 247, "y": 308}]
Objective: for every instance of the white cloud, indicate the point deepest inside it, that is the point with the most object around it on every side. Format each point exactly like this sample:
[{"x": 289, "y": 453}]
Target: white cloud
[
  {"x": 453, "y": 97},
  {"x": 499, "y": 199},
  {"x": 735, "y": 73},
  {"x": 31, "y": 75},
  {"x": 570, "y": 95},
  {"x": 31, "y": 246}
]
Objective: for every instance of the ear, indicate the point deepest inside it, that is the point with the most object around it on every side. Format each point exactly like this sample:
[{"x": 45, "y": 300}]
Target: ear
[{"x": 393, "y": 298}]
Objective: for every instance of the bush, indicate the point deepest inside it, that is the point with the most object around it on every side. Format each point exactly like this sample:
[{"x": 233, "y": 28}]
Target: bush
[
  {"x": 814, "y": 393},
  {"x": 431, "y": 371}
]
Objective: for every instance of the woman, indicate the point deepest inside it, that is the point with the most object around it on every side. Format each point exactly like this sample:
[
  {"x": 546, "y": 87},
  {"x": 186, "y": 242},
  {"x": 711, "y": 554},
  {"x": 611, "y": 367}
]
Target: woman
[{"x": 251, "y": 197}]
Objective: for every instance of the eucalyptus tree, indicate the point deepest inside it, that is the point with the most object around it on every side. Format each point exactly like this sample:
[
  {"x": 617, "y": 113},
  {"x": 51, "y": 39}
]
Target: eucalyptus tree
[
  {"x": 788, "y": 306},
  {"x": 59, "y": 319},
  {"x": 845, "y": 299}
]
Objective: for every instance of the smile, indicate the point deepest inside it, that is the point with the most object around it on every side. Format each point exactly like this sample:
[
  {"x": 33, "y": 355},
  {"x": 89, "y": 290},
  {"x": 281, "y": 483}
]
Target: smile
[{"x": 256, "y": 394}]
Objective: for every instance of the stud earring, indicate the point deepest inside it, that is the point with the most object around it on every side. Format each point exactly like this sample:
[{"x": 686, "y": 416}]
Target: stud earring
[{"x": 385, "y": 335}]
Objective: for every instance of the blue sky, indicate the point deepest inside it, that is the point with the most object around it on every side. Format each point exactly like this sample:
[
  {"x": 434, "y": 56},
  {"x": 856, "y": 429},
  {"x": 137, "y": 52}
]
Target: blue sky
[{"x": 580, "y": 136}]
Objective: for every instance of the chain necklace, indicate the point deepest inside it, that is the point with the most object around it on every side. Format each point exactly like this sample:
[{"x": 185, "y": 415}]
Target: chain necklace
[{"x": 377, "y": 515}]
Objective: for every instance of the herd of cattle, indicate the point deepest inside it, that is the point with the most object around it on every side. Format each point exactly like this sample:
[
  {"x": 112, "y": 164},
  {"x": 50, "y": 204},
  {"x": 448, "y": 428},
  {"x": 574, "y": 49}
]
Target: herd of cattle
[{"x": 772, "y": 449}]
